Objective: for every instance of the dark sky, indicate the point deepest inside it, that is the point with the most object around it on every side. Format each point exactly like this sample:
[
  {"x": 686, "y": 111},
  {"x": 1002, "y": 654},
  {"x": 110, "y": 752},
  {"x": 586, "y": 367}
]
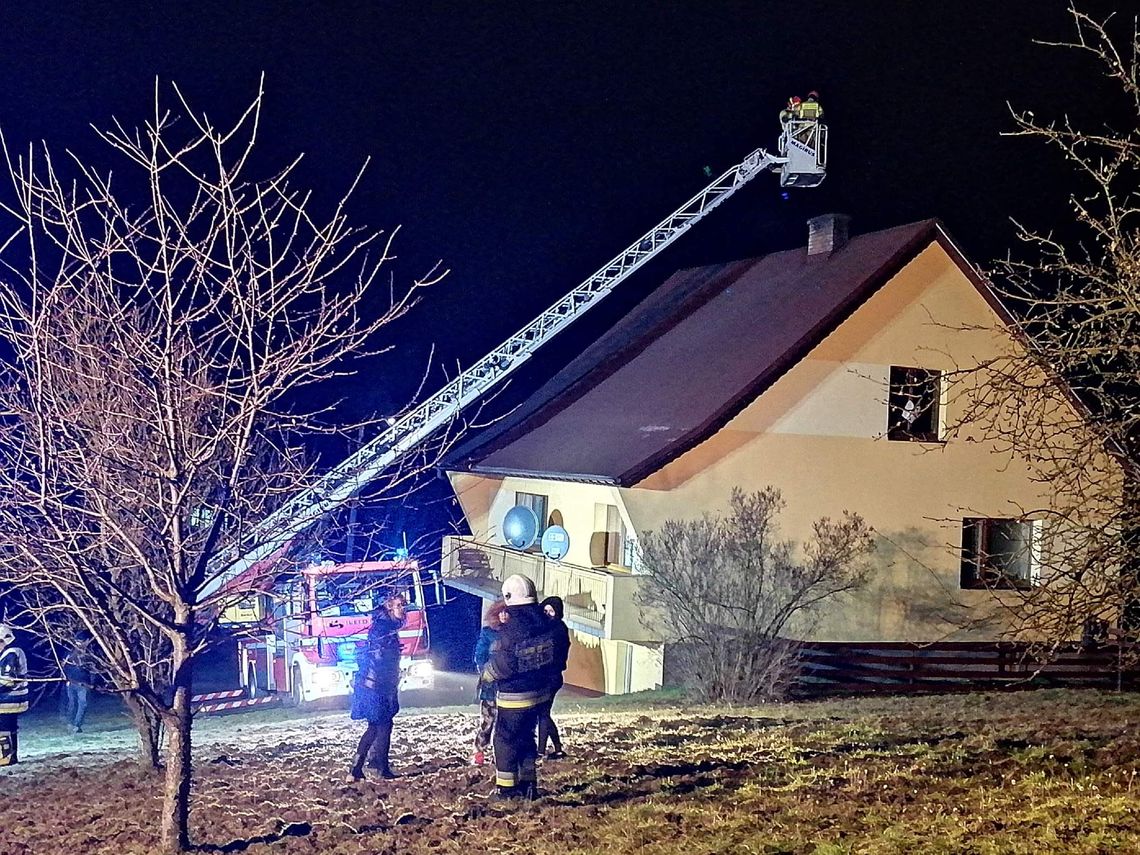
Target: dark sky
[{"x": 525, "y": 143}]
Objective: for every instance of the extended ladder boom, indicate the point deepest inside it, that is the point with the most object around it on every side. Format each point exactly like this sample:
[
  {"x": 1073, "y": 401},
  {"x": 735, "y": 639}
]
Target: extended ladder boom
[{"x": 413, "y": 427}]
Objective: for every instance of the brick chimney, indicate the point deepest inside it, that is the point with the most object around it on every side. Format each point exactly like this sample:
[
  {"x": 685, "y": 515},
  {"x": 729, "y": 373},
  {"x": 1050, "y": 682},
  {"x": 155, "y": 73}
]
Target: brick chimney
[{"x": 827, "y": 233}]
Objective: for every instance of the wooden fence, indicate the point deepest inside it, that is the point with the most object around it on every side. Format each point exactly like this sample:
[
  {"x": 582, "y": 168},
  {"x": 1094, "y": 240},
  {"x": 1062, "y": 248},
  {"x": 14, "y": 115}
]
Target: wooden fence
[{"x": 892, "y": 667}]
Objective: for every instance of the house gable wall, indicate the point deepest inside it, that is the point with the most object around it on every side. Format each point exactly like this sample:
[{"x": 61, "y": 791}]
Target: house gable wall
[{"x": 819, "y": 435}]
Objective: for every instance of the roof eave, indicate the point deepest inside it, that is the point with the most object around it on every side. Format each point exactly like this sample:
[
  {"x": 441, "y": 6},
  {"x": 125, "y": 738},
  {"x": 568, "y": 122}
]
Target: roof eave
[{"x": 509, "y": 472}]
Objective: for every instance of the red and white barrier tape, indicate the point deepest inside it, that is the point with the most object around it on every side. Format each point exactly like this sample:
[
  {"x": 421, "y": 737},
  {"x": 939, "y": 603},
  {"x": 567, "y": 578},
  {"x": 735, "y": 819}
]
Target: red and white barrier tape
[{"x": 233, "y": 705}]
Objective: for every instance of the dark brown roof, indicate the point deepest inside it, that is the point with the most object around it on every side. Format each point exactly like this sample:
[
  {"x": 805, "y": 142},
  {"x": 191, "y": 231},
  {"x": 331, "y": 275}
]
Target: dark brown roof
[{"x": 687, "y": 359}]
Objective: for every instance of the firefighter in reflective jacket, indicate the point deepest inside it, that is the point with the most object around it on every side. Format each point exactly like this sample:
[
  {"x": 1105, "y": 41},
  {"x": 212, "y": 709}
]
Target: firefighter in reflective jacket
[
  {"x": 811, "y": 108},
  {"x": 13, "y": 694},
  {"x": 522, "y": 659}
]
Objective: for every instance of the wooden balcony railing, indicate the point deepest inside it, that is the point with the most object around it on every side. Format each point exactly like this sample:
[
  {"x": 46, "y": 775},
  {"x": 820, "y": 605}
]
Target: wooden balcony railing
[{"x": 599, "y": 601}]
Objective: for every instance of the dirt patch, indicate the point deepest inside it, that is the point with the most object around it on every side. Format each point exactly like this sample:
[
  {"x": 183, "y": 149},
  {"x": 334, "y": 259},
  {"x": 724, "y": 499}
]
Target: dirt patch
[{"x": 1032, "y": 772}]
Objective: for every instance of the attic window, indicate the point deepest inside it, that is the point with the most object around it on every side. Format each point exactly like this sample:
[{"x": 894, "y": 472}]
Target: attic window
[{"x": 912, "y": 408}]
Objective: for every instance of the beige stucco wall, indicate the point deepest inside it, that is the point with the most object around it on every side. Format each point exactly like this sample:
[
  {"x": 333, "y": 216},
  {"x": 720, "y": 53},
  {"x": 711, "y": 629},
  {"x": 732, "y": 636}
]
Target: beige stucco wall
[{"x": 613, "y": 666}]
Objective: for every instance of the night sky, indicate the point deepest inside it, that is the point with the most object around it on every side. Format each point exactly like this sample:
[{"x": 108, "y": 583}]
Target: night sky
[{"x": 526, "y": 143}]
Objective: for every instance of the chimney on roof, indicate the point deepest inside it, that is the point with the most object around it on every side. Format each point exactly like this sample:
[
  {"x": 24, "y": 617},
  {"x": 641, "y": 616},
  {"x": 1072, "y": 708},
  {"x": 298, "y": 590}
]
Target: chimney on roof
[{"x": 827, "y": 233}]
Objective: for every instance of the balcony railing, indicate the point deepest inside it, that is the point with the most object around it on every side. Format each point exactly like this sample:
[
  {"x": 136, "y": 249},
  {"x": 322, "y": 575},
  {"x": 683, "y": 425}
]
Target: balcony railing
[{"x": 598, "y": 601}]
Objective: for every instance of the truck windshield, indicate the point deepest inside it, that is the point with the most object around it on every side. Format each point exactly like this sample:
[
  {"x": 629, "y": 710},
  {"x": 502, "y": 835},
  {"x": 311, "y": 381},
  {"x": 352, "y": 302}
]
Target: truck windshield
[{"x": 354, "y": 594}]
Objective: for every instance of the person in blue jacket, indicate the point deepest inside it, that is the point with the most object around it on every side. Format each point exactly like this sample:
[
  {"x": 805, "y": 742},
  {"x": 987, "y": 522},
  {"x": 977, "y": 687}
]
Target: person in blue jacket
[
  {"x": 375, "y": 693},
  {"x": 492, "y": 624}
]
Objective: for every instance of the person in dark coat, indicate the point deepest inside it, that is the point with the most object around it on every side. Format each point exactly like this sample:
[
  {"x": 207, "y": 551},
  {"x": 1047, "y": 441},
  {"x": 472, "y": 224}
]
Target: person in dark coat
[
  {"x": 78, "y": 677},
  {"x": 520, "y": 665},
  {"x": 492, "y": 624},
  {"x": 375, "y": 693},
  {"x": 554, "y": 610}
]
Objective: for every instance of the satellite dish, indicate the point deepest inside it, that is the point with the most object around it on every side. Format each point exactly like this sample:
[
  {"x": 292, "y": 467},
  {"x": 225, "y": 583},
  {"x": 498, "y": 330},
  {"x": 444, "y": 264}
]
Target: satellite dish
[
  {"x": 520, "y": 527},
  {"x": 555, "y": 542}
]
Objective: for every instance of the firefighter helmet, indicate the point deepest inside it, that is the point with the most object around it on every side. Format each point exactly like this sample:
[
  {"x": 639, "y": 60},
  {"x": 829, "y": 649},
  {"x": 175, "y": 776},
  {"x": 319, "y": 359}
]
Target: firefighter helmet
[{"x": 518, "y": 590}]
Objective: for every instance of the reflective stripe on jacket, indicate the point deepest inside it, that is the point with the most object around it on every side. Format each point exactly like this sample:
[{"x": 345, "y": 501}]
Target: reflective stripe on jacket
[
  {"x": 520, "y": 700},
  {"x": 810, "y": 110}
]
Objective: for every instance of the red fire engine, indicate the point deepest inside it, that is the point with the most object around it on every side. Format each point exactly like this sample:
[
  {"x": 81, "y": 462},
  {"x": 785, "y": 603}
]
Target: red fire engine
[{"x": 305, "y": 637}]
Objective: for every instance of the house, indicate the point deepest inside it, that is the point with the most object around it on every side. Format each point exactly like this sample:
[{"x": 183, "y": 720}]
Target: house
[{"x": 822, "y": 371}]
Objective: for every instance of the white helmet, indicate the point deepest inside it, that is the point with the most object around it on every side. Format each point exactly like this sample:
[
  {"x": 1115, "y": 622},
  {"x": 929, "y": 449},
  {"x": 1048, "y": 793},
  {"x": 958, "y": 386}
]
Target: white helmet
[
  {"x": 6, "y": 635},
  {"x": 518, "y": 590}
]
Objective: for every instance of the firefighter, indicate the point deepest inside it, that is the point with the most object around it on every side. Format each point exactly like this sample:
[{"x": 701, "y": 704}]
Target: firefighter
[
  {"x": 375, "y": 694},
  {"x": 522, "y": 659},
  {"x": 13, "y": 694},
  {"x": 811, "y": 108},
  {"x": 792, "y": 111}
]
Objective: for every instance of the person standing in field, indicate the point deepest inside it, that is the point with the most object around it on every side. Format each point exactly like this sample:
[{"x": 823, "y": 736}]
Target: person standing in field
[
  {"x": 13, "y": 695},
  {"x": 554, "y": 610},
  {"x": 375, "y": 695},
  {"x": 78, "y": 677},
  {"x": 492, "y": 624},
  {"x": 520, "y": 666}
]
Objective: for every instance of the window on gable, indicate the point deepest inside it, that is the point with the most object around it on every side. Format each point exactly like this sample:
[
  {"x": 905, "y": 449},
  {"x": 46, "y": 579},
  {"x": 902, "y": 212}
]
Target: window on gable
[
  {"x": 997, "y": 553},
  {"x": 538, "y": 503},
  {"x": 912, "y": 407}
]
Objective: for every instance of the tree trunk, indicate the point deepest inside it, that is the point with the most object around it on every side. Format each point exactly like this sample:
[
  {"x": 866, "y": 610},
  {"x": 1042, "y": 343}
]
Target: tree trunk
[
  {"x": 176, "y": 796},
  {"x": 148, "y": 723},
  {"x": 1130, "y": 558}
]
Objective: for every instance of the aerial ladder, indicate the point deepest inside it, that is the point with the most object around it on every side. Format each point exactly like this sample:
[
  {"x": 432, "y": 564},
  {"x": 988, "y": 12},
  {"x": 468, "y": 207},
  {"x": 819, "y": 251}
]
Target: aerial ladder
[{"x": 801, "y": 161}]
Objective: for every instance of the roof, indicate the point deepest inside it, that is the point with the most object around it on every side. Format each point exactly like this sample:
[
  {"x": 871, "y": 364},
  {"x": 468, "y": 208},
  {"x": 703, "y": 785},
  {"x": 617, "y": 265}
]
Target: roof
[{"x": 687, "y": 359}]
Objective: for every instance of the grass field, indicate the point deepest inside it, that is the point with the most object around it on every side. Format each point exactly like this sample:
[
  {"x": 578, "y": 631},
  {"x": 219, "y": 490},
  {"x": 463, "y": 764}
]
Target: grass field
[{"x": 1022, "y": 772}]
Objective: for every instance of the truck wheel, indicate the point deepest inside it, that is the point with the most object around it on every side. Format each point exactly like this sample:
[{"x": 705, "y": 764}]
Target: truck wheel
[
  {"x": 251, "y": 689},
  {"x": 296, "y": 693}
]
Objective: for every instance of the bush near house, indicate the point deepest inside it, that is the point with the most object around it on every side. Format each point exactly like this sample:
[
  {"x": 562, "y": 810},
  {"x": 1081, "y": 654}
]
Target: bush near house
[{"x": 727, "y": 589}]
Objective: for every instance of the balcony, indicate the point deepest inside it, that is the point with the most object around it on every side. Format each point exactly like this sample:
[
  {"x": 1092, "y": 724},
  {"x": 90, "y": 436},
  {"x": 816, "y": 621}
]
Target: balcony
[{"x": 599, "y": 601}]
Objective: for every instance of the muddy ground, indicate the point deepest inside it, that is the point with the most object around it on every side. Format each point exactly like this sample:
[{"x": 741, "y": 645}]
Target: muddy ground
[{"x": 1047, "y": 771}]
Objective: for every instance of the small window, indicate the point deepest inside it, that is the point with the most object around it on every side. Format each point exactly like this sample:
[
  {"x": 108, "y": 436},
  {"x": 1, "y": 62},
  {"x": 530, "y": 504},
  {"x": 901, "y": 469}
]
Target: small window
[
  {"x": 997, "y": 553},
  {"x": 608, "y": 543},
  {"x": 538, "y": 503},
  {"x": 912, "y": 408}
]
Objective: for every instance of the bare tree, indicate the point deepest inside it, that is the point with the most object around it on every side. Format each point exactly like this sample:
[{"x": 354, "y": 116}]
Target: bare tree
[
  {"x": 164, "y": 326},
  {"x": 727, "y": 591},
  {"x": 1064, "y": 394}
]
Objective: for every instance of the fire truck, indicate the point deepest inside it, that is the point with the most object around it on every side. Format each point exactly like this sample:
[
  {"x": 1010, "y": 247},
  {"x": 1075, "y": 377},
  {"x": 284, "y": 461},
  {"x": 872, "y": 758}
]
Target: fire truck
[{"x": 302, "y": 641}]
